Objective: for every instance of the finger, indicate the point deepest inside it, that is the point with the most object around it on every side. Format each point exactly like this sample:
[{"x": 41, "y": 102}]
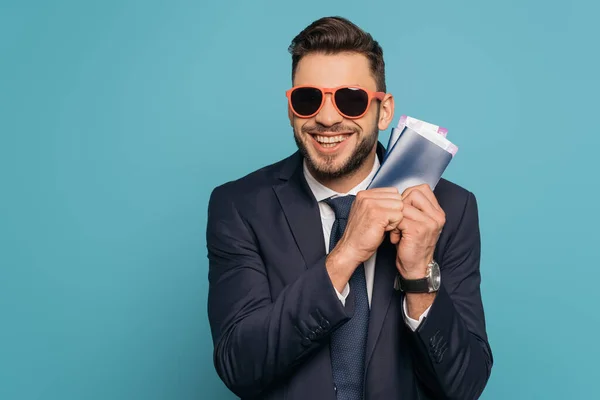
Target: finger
[
  {"x": 387, "y": 204},
  {"x": 413, "y": 215},
  {"x": 393, "y": 219},
  {"x": 420, "y": 200},
  {"x": 408, "y": 191},
  {"x": 390, "y": 189},
  {"x": 395, "y": 236},
  {"x": 425, "y": 190},
  {"x": 417, "y": 199},
  {"x": 388, "y": 212},
  {"x": 394, "y": 216},
  {"x": 368, "y": 195},
  {"x": 407, "y": 224},
  {"x": 380, "y": 205},
  {"x": 415, "y": 187},
  {"x": 381, "y": 196}
]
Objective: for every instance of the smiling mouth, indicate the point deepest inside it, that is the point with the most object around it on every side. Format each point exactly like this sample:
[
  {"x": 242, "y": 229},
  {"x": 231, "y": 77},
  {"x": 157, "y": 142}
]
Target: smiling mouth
[{"x": 331, "y": 141}]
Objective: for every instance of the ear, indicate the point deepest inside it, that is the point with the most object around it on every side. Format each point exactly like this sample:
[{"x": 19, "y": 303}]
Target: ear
[{"x": 386, "y": 112}]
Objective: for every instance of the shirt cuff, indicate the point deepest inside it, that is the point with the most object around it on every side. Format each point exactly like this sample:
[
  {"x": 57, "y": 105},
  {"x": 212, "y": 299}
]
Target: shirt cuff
[
  {"x": 342, "y": 296},
  {"x": 413, "y": 323}
]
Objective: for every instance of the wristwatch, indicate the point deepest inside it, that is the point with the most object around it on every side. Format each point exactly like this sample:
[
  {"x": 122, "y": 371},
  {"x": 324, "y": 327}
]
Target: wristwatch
[{"x": 431, "y": 282}]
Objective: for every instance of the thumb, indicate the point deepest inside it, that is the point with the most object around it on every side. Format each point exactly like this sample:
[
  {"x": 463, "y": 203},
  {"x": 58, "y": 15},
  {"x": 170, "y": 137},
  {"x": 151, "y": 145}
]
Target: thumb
[{"x": 395, "y": 236}]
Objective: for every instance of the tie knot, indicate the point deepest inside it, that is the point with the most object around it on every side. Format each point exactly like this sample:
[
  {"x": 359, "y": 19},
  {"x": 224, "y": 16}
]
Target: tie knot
[{"x": 341, "y": 205}]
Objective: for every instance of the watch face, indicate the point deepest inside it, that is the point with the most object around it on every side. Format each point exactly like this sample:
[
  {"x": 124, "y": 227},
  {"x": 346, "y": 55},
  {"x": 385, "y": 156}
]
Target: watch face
[{"x": 435, "y": 276}]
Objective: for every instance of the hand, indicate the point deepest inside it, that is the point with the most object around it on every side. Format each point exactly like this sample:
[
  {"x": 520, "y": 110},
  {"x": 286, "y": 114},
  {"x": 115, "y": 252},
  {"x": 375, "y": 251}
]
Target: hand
[
  {"x": 374, "y": 212},
  {"x": 420, "y": 229}
]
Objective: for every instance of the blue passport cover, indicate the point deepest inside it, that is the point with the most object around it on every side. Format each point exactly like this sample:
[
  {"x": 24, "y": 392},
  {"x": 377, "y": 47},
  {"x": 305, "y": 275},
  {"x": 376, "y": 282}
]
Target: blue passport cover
[{"x": 412, "y": 160}]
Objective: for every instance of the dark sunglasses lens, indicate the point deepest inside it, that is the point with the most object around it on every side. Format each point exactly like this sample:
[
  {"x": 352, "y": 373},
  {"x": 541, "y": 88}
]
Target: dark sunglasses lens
[
  {"x": 352, "y": 101},
  {"x": 306, "y": 101}
]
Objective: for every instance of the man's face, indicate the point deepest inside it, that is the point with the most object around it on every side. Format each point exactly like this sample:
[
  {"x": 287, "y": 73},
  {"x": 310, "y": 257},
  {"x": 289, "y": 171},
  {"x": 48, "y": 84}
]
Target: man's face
[{"x": 335, "y": 146}]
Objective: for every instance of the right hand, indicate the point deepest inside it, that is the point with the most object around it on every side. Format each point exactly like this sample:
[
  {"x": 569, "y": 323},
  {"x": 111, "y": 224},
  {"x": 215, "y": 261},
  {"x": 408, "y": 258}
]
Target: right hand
[{"x": 374, "y": 212}]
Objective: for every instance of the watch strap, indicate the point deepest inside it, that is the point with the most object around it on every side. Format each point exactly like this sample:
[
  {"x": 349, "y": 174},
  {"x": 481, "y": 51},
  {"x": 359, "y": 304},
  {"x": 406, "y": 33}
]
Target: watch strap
[{"x": 411, "y": 285}]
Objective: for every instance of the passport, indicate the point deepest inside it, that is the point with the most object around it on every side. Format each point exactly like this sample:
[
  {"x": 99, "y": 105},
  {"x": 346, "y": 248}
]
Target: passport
[{"x": 418, "y": 152}]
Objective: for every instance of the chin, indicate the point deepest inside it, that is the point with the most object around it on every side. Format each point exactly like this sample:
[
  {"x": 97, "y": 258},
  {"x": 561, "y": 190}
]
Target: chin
[
  {"x": 343, "y": 162},
  {"x": 331, "y": 167},
  {"x": 334, "y": 160},
  {"x": 327, "y": 169}
]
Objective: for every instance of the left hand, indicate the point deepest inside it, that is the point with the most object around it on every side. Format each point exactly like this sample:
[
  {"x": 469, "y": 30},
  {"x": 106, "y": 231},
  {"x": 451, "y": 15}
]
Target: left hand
[{"x": 418, "y": 232}]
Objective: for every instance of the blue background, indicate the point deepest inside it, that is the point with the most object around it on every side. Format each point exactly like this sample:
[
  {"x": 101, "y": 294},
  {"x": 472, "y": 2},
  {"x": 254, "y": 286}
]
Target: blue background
[{"x": 117, "y": 119}]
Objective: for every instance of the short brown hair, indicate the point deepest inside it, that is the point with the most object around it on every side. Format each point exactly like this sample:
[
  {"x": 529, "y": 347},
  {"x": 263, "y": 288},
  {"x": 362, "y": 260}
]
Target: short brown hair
[{"x": 332, "y": 35}]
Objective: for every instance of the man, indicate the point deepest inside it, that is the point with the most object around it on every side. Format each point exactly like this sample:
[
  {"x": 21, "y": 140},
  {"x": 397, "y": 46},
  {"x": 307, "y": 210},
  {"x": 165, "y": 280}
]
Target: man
[{"x": 320, "y": 289}]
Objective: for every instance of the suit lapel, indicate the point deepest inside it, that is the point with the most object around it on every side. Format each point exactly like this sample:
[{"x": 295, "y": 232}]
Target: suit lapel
[
  {"x": 301, "y": 210},
  {"x": 383, "y": 285},
  {"x": 383, "y": 290}
]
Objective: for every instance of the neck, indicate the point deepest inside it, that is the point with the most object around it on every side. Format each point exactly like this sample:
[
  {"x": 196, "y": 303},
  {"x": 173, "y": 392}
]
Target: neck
[{"x": 345, "y": 183}]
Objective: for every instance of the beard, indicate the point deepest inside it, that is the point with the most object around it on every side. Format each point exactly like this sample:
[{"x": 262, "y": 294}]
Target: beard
[{"x": 325, "y": 168}]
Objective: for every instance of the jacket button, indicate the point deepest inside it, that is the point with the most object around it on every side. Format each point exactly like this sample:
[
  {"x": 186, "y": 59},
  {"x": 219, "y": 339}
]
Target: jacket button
[
  {"x": 305, "y": 341},
  {"x": 312, "y": 335},
  {"x": 325, "y": 324}
]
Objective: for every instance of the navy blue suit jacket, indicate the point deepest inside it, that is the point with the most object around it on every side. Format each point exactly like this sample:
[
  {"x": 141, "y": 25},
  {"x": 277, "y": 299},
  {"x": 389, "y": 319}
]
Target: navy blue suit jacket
[{"x": 272, "y": 306}]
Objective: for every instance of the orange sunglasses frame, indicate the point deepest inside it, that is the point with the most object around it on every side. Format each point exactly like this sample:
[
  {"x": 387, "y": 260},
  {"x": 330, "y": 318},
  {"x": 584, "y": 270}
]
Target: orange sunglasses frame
[{"x": 371, "y": 95}]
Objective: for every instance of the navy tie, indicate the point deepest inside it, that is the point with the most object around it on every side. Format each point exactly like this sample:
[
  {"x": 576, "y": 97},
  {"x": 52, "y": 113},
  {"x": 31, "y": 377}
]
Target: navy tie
[{"x": 349, "y": 341}]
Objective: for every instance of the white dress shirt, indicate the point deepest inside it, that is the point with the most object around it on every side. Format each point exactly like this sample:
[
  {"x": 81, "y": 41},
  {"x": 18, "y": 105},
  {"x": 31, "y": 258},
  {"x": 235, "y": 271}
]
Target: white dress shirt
[{"x": 321, "y": 193}]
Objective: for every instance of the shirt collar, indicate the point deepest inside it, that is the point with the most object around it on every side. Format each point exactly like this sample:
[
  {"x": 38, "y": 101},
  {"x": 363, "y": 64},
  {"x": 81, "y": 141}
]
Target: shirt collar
[{"x": 322, "y": 192}]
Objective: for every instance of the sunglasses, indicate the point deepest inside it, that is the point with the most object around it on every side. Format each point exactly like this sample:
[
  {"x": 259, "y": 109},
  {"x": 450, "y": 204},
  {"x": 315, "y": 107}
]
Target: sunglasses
[{"x": 350, "y": 101}]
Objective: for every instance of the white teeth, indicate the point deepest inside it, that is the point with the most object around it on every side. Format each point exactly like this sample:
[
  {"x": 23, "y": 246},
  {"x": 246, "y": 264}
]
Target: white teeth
[{"x": 331, "y": 139}]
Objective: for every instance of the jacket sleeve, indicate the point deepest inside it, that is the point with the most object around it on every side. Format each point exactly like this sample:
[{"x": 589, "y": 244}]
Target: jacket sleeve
[
  {"x": 451, "y": 353},
  {"x": 258, "y": 339}
]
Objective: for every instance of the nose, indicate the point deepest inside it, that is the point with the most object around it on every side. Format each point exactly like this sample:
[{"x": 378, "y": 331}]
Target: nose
[{"x": 328, "y": 115}]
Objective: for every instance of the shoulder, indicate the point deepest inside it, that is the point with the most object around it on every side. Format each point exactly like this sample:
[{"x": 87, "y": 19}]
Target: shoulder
[
  {"x": 456, "y": 201},
  {"x": 252, "y": 186},
  {"x": 448, "y": 191}
]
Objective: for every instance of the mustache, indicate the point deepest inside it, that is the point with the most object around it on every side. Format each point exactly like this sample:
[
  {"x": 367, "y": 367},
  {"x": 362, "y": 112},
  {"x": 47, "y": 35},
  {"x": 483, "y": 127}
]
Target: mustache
[{"x": 316, "y": 129}]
